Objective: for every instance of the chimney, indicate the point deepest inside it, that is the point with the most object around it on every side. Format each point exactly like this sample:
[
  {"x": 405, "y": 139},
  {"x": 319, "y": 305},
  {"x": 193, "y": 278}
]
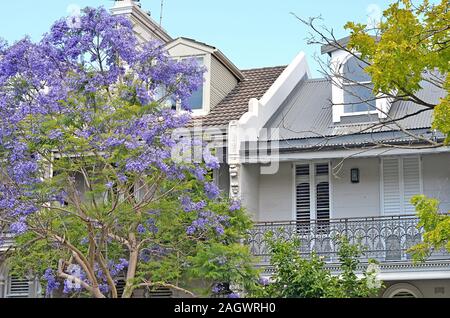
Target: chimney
[{"x": 145, "y": 27}]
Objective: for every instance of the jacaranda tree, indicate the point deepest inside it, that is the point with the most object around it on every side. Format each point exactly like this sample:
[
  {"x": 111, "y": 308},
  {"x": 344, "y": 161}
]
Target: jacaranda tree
[{"x": 95, "y": 185}]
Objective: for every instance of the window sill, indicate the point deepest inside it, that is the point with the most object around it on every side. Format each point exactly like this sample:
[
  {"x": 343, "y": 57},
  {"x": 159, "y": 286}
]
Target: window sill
[{"x": 372, "y": 112}]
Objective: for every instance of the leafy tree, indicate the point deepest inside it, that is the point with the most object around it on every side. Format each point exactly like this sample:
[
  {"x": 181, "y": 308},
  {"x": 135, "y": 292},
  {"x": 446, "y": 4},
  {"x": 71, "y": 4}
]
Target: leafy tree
[
  {"x": 436, "y": 226},
  {"x": 410, "y": 46},
  {"x": 408, "y": 49},
  {"x": 97, "y": 183},
  {"x": 298, "y": 277}
]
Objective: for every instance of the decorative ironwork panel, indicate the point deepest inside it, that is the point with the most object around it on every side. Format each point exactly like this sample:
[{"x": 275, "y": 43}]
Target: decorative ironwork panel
[{"x": 385, "y": 239}]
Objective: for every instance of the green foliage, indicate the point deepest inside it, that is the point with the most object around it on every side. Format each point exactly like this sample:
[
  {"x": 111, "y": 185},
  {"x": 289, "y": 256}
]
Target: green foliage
[
  {"x": 198, "y": 264},
  {"x": 411, "y": 40},
  {"x": 442, "y": 114},
  {"x": 298, "y": 277},
  {"x": 435, "y": 225}
]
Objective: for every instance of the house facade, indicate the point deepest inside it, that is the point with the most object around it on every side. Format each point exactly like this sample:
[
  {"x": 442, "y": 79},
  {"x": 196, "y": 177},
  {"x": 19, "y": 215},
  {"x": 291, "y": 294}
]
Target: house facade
[
  {"x": 312, "y": 161},
  {"x": 308, "y": 160}
]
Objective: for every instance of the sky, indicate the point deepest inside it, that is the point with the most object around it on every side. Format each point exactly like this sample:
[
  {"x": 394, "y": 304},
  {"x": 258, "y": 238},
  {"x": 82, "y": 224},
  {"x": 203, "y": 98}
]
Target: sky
[{"x": 251, "y": 33}]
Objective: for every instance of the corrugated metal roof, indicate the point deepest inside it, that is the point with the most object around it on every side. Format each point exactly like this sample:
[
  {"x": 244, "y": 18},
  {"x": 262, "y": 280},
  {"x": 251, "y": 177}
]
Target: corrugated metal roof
[{"x": 307, "y": 113}]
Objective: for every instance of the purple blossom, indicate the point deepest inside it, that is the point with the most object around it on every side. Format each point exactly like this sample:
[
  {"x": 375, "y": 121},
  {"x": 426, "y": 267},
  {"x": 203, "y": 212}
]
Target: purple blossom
[
  {"x": 234, "y": 295},
  {"x": 141, "y": 229},
  {"x": 211, "y": 190},
  {"x": 211, "y": 162},
  {"x": 220, "y": 230},
  {"x": 189, "y": 206},
  {"x": 122, "y": 178},
  {"x": 217, "y": 288},
  {"x": 18, "y": 228},
  {"x": 235, "y": 205},
  {"x": 208, "y": 220},
  {"x": 264, "y": 281},
  {"x": 55, "y": 134},
  {"x": 52, "y": 283},
  {"x": 109, "y": 185},
  {"x": 151, "y": 226},
  {"x": 191, "y": 230},
  {"x": 119, "y": 267}
]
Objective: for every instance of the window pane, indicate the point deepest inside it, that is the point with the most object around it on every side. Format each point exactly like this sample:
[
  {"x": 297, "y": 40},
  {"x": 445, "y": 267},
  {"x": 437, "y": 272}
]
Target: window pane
[
  {"x": 358, "y": 98},
  {"x": 166, "y": 101},
  {"x": 354, "y": 71},
  {"x": 196, "y": 99}
]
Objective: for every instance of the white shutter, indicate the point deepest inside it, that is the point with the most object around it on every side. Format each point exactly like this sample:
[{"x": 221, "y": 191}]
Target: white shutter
[
  {"x": 391, "y": 186},
  {"x": 411, "y": 183},
  {"x": 18, "y": 288},
  {"x": 401, "y": 181},
  {"x": 322, "y": 192},
  {"x": 303, "y": 198}
]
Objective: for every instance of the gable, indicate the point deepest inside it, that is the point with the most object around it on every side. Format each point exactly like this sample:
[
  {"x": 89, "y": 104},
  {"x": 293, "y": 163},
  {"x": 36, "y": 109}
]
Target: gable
[{"x": 184, "y": 48}]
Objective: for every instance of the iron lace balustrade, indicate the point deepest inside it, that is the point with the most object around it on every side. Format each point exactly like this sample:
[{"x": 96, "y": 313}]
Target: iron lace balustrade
[{"x": 384, "y": 239}]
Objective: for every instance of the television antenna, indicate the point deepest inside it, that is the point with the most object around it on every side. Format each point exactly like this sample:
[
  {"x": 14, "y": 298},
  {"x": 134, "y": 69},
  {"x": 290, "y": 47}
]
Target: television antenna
[{"x": 161, "y": 14}]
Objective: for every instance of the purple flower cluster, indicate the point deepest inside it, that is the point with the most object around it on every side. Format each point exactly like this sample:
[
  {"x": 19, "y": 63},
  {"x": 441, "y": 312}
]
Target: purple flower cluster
[
  {"x": 189, "y": 206},
  {"x": 211, "y": 161},
  {"x": 118, "y": 268},
  {"x": 211, "y": 190},
  {"x": 208, "y": 220},
  {"x": 18, "y": 228},
  {"x": 52, "y": 283},
  {"x": 263, "y": 281},
  {"x": 71, "y": 285},
  {"x": 148, "y": 227},
  {"x": 235, "y": 205}
]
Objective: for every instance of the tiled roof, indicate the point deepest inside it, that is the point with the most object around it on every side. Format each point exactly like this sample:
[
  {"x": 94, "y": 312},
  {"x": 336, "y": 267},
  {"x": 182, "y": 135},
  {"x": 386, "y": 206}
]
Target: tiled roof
[{"x": 235, "y": 104}]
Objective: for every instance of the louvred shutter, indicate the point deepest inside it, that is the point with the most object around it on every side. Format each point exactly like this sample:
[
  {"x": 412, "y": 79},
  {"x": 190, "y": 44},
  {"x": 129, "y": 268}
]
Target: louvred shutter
[
  {"x": 303, "y": 200},
  {"x": 411, "y": 183},
  {"x": 391, "y": 186}
]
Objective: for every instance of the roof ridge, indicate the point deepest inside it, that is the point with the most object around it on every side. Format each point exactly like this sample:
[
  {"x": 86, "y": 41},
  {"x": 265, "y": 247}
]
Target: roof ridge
[{"x": 263, "y": 68}]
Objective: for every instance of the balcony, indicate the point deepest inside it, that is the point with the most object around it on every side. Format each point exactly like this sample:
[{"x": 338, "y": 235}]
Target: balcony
[{"x": 384, "y": 239}]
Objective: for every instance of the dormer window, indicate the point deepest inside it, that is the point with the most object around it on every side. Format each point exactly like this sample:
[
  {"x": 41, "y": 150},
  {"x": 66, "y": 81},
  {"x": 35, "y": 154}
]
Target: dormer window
[
  {"x": 357, "y": 87},
  {"x": 195, "y": 102},
  {"x": 352, "y": 89},
  {"x": 220, "y": 78}
]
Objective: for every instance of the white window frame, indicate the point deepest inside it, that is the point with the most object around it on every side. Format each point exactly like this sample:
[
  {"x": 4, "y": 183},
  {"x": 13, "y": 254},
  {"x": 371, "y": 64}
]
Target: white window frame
[
  {"x": 206, "y": 83},
  {"x": 344, "y": 84},
  {"x": 313, "y": 190},
  {"x": 401, "y": 181},
  {"x": 382, "y": 104}
]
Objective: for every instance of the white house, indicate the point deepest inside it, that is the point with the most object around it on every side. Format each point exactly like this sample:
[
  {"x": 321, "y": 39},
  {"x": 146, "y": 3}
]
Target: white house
[
  {"x": 312, "y": 161},
  {"x": 307, "y": 158}
]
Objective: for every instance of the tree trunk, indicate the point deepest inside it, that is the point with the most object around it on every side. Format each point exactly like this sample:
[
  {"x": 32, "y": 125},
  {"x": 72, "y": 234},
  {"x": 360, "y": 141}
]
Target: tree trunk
[{"x": 131, "y": 273}]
